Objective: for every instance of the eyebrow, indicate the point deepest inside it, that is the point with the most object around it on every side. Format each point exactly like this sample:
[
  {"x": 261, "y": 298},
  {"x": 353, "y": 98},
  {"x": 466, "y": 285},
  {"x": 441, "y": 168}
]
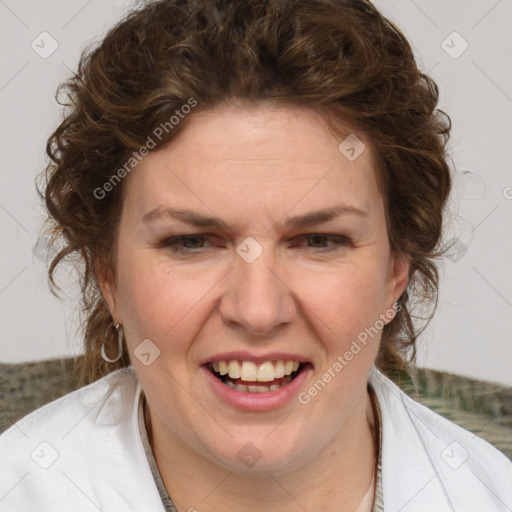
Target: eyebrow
[{"x": 300, "y": 221}]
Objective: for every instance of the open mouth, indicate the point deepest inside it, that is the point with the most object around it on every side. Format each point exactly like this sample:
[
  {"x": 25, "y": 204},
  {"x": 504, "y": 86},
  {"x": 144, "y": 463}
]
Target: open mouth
[{"x": 247, "y": 377}]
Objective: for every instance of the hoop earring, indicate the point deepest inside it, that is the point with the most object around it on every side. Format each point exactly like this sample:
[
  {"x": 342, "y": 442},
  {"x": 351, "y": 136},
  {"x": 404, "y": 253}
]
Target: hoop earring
[{"x": 119, "y": 330}]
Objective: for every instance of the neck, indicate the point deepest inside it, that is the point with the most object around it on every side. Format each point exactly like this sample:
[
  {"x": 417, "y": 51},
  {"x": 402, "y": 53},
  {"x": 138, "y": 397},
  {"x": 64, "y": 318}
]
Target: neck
[{"x": 335, "y": 480}]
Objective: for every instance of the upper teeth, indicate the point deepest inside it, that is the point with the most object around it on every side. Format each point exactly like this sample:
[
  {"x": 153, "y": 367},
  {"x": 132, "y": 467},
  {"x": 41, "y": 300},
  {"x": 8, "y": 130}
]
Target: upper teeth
[{"x": 249, "y": 371}]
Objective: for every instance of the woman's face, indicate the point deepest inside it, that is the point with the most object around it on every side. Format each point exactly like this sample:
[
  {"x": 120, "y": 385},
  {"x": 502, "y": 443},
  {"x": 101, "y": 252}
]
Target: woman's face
[{"x": 286, "y": 261}]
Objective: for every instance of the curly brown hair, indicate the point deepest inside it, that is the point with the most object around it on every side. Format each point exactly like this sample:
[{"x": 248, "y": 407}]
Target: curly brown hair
[{"x": 339, "y": 58}]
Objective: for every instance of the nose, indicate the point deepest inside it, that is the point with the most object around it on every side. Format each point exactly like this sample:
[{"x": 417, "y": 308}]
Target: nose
[{"x": 257, "y": 299}]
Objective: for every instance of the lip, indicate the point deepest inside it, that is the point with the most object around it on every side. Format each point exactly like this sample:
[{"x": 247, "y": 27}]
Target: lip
[
  {"x": 257, "y": 402},
  {"x": 243, "y": 355}
]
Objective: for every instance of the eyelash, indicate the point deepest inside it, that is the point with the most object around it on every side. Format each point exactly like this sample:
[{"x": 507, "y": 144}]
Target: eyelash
[{"x": 172, "y": 243}]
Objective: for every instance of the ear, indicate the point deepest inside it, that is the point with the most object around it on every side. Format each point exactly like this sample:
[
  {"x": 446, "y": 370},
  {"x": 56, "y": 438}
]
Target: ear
[
  {"x": 108, "y": 289},
  {"x": 398, "y": 277}
]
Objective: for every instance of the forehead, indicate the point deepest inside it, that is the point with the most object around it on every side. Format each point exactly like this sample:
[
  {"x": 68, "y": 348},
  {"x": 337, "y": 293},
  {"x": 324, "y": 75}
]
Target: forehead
[{"x": 267, "y": 157}]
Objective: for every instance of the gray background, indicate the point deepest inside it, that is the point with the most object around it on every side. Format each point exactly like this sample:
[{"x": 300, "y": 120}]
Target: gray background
[{"x": 471, "y": 333}]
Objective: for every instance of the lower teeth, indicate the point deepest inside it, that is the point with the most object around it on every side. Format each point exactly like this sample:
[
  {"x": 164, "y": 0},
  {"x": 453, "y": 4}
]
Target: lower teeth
[{"x": 259, "y": 388}]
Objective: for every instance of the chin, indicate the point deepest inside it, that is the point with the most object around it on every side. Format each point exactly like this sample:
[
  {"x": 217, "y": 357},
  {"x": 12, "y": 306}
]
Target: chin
[{"x": 262, "y": 453}]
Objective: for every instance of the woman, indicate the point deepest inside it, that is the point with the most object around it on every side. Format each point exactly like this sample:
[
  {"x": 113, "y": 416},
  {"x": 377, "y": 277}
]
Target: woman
[{"x": 255, "y": 191}]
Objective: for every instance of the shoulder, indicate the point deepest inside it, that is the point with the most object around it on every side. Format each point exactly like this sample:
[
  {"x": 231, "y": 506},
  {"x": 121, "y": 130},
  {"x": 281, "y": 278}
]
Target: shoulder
[
  {"x": 82, "y": 451},
  {"x": 437, "y": 462},
  {"x": 100, "y": 397}
]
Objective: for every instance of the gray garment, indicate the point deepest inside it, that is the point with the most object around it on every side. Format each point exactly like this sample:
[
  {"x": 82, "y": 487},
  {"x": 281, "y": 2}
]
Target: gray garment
[
  {"x": 164, "y": 495},
  {"x": 378, "y": 505},
  {"x": 378, "y": 502}
]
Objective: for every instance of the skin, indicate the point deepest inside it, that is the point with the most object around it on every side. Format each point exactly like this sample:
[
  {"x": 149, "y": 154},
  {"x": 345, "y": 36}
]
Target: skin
[{"x": 253, "y": 167}]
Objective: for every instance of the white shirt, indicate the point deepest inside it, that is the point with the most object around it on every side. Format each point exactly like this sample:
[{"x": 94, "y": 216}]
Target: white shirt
[{"x": 84, "y": 452}]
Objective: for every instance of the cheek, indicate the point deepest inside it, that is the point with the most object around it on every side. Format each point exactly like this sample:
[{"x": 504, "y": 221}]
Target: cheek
[
  {"x": 158, "y": 300},
  {"x": 169, "y": 303},
  {"x": 344, "y": 300}
]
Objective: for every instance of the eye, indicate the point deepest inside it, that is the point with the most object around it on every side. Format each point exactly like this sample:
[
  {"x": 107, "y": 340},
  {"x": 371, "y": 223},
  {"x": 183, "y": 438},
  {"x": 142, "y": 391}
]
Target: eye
[
  {"x": 318, "y": 241},
  {"x": 184, "y": 244},
  {"x": 195, "y": 244}
]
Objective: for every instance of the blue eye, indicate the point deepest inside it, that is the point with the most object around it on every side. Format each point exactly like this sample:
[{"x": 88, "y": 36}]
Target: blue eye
[
  {"x": 189, "y": 244},
  {"x": 337, "y": 241}
]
